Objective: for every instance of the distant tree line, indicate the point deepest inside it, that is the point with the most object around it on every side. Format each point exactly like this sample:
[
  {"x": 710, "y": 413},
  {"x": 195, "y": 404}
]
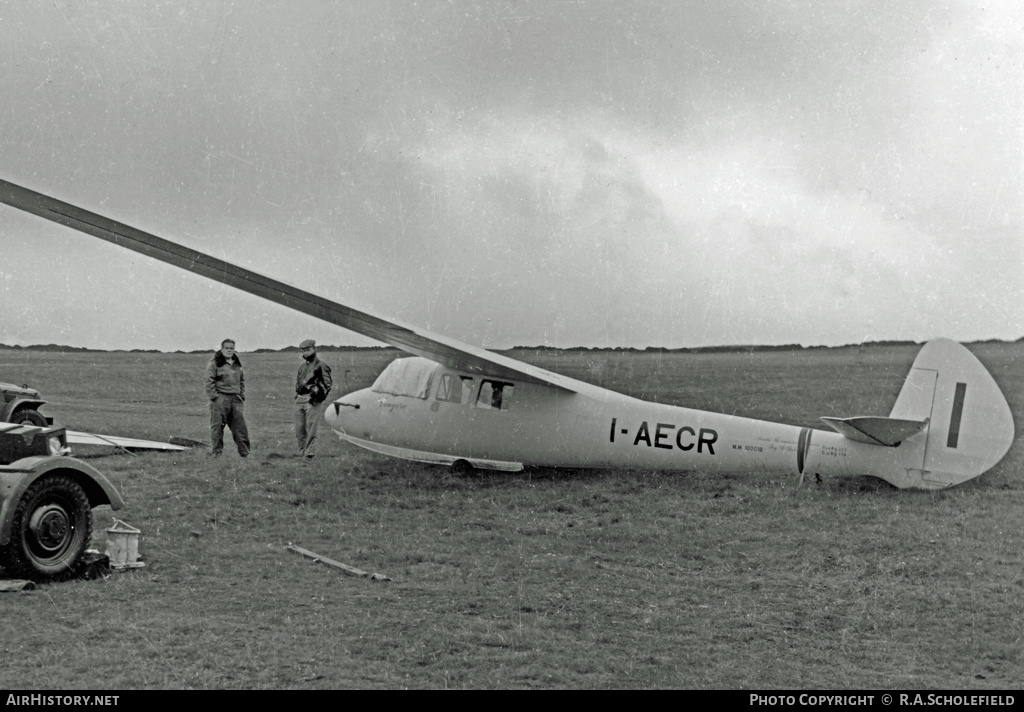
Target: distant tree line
[
  {"x": 60, "y": 348},
  {"x": 729, "y": 348},
  {"x": 753, "y": 348}
]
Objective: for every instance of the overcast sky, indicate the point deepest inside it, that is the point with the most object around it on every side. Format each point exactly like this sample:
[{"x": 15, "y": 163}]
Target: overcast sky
[{"x": 520, "y": 173}]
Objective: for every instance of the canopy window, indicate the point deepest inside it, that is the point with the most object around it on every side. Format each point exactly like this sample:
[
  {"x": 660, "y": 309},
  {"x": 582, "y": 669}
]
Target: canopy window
[{"x": 409, "y": 377}]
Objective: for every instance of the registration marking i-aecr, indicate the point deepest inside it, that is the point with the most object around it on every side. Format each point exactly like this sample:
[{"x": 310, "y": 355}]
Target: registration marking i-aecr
[{"x": 456, "y": 404}]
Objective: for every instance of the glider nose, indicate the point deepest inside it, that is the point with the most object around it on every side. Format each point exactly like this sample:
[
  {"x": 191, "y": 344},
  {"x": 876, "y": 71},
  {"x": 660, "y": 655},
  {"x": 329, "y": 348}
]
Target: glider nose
[{"x": 342, "y": 413}]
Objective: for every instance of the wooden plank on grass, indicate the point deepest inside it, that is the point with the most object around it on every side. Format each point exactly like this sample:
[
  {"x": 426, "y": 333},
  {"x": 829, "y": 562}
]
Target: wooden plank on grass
[
  {"x": 16, "y": 585},
  {"x": 351, "y": 570}
]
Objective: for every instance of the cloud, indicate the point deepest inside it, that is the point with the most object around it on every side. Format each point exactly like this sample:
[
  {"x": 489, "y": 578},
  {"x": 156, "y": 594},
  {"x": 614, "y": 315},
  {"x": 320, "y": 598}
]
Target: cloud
[{"x": 530, "y": 172}]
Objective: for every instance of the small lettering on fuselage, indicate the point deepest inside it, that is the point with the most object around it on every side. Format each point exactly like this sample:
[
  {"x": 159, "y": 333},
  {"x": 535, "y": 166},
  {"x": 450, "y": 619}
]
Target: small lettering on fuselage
[
  {"x": 832, "y": 451},
  {"x": 683, "y": 438},
  {"x": 748, "y": 448}
]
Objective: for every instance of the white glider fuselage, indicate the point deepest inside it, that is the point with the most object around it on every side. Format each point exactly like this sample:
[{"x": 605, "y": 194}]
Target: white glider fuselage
[{"x": 593, "y": 428}]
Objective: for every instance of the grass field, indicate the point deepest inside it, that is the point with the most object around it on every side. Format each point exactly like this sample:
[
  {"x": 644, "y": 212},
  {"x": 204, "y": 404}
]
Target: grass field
[{"x": 541, "y": 579}]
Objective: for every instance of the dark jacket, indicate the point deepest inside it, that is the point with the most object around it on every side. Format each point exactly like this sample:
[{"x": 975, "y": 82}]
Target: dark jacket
[
  {"x": 313, "y": 382},
  {"x": 223, "y": 377}
]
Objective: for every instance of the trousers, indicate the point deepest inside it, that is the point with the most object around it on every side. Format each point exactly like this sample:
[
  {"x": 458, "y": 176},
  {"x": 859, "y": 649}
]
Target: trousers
[
  {"x": 227, "y": 409},
  {"x": 307, "y": 420}
]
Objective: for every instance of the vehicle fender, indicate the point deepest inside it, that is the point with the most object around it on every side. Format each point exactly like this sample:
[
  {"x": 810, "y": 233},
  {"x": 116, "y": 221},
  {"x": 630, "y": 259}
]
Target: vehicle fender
[
  {"x": 17, "y": 404},
  {"x": 18, "y": 476}
]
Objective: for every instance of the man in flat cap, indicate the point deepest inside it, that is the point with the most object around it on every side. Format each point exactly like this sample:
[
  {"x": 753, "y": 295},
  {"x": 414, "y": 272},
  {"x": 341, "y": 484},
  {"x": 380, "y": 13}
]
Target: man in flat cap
[{"x": 312, "y": 384}]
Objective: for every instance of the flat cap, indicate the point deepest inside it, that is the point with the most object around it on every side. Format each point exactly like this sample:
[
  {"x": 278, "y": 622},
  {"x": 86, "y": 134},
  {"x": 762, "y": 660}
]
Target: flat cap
[{"x": 307, "y": 344}]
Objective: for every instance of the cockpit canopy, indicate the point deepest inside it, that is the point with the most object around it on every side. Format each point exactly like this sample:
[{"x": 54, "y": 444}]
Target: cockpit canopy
[{"x": 409, "y": 377}]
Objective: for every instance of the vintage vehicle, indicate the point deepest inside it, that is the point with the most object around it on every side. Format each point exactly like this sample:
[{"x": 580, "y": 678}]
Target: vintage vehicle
[
  {"x": 21, "y": 405},
  {"x": 46, "y": 503}
]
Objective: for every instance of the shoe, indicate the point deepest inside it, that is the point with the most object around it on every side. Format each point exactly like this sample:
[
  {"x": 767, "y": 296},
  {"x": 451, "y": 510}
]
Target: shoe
[{"x": 310, "y": 456}]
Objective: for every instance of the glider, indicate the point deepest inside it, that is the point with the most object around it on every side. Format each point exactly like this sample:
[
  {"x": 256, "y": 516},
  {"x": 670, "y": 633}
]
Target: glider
[{"x": 460, "y": 405}]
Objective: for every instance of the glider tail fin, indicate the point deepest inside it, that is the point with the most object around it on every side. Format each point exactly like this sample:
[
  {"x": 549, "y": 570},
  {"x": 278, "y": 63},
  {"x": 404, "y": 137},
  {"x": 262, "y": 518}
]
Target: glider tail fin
[{"x": 970, "y": 426}]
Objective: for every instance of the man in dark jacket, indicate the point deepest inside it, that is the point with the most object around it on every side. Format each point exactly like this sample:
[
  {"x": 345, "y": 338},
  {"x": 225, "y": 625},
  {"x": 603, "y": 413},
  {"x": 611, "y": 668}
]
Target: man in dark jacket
[
  {"x": 312, "y": 384},
  {"x": 225, "y": 387}
]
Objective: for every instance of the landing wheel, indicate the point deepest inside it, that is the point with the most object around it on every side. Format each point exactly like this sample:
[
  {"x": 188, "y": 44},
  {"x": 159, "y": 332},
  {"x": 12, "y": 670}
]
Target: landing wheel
[
  {"x": 29, "y": 417},
  {"x": 461, "y": 467},
  {"x": 51, "y": 527}
]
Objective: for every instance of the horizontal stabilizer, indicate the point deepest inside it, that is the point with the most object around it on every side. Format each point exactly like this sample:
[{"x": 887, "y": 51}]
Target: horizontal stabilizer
[
  {"x": 77, "y": 438},
  {"x": 876, "y": 430}
]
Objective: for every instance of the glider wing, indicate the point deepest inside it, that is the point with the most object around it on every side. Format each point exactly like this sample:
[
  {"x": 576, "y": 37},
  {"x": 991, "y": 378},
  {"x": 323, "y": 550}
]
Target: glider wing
[
  {"x": 78, "y": 438},
  {"x": 453, "y": 354}
]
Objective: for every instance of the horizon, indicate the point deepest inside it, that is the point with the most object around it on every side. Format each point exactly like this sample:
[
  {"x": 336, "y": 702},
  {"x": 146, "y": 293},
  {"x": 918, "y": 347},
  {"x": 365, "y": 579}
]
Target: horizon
[{"x": 53, "y": 347}]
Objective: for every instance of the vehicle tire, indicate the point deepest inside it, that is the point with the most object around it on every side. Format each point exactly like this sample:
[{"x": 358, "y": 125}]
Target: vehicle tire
[
  {"x": 461, "y": 467},
  {"x": 51, "y": 527},
  {"x": 29, "y": 417}
]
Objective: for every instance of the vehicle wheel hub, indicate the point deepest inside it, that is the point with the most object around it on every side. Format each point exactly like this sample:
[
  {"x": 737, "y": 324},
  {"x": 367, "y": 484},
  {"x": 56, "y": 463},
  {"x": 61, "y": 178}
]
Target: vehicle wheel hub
[{"x": 51, "y": 526}]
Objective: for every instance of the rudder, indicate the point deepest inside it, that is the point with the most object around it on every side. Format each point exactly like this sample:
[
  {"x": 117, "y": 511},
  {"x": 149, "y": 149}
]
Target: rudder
[{"x": 970, "y": 425}]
